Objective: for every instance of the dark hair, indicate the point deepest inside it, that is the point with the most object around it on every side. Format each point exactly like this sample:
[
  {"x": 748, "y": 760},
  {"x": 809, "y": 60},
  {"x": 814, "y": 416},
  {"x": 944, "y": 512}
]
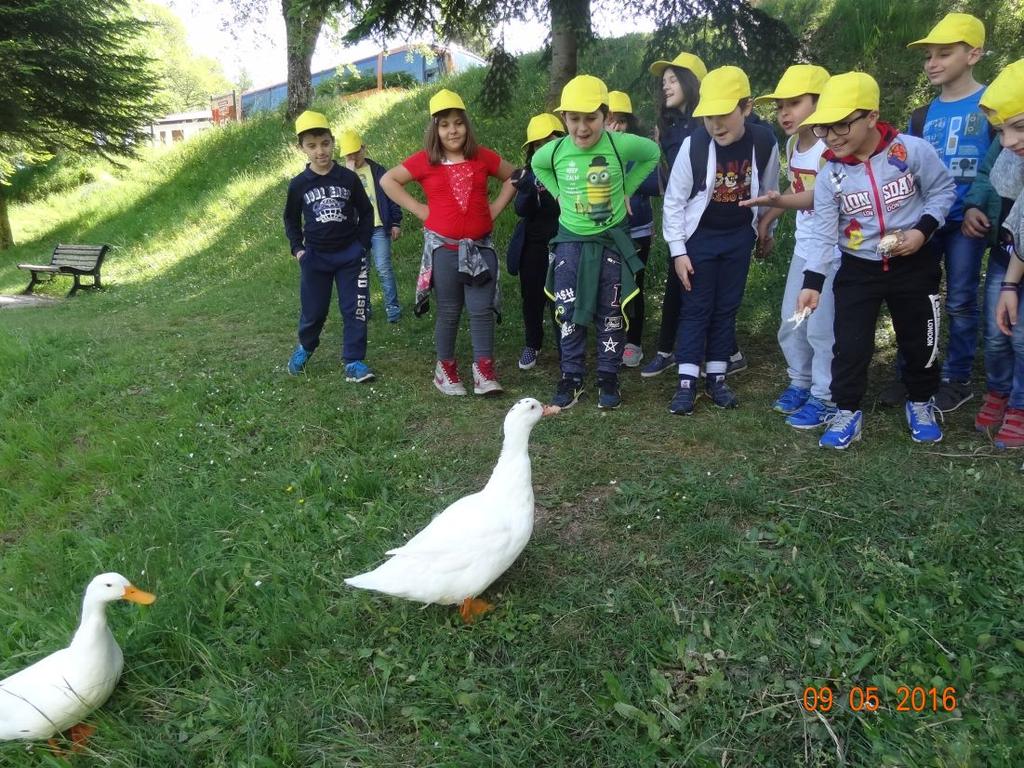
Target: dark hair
[
  {"x": 669, "y": 116},
  {"x": 316, "y": 133},
  {"x": 432, "y": 139},
  {"x": 632, "y": 122},
  {"x": 531, "y": 148}
]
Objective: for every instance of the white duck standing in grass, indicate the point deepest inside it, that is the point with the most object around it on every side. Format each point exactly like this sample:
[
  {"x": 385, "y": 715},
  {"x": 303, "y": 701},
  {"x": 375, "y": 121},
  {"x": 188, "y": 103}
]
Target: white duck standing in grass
[
  {"x": 60, "y": 690},
  {"x": 470, "y": 544}
]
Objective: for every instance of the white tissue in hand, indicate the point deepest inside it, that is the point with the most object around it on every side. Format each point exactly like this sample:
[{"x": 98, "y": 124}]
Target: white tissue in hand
[
  {"x": 887, "y": 243},
  {"x": 799, "y": 316}
]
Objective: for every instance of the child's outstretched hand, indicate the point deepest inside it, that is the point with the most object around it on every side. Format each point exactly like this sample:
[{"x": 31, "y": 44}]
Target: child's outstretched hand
[
  {"x": 769, "y": 199},
  {"x": 684, "y": 268},
  {"x": 1006, "y": 311}
]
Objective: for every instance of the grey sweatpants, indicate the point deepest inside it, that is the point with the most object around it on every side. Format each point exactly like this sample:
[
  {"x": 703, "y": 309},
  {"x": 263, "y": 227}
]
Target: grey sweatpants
[
  {"x": 451, "y": 294},
  {"x": 808, "y": 347}
]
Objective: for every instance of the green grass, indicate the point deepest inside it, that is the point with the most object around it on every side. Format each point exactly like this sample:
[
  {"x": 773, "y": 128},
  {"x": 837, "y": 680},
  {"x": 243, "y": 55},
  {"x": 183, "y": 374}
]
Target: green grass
[{"x": 687, "y": 578}]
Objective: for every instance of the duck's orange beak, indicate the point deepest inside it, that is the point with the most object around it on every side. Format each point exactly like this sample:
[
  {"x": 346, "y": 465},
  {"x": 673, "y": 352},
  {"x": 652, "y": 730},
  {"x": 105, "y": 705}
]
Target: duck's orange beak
[
  {"x": 136, "y": 595},
  {"x": 550, "y": 410}
]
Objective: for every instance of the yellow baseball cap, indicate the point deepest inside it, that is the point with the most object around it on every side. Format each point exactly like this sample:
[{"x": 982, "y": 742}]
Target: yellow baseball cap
[
  {"x": 584, "y": 93},
  {"x": 721, "y": 91},
  {"x": 796, "y": 81},
  {"x": 349, "y": 142},
  {"x": 307, "y": 121},
  {"x": 619, "y": 101},
  {"x": 541, "y": 126},
  {"x": 683, "y": 61},
  {"x": 444, "y": 100},
  {"x": 1004, "y": 98},
  {"x": 955, "y": 28},
  {"x": 842, "y": 96}
]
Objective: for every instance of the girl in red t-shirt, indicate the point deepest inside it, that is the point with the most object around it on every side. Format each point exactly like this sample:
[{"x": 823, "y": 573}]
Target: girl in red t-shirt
[{"x": 459, "y": 261}]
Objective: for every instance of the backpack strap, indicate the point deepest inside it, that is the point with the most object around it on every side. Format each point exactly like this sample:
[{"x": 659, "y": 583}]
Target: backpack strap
[
  {"x": 555, "y": 149},
  {"x": 700, "y": 141},
  {"x": 764, "y": 143},
  {"x": 917, "y": 118},
  {"x": 618, "y": 157}
]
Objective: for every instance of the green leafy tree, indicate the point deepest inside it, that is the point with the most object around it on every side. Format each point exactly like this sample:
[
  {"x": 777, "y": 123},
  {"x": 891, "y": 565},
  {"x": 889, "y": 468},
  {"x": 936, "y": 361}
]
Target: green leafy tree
[{"x": 70, "y": 80}]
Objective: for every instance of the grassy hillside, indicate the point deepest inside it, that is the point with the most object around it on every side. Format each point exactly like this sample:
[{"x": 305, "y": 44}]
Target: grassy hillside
[{"x": 687, "y": 579}]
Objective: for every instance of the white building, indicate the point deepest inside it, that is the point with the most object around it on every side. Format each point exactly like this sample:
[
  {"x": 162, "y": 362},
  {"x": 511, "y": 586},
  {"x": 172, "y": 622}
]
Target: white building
[{"x": 180, "y": 126}]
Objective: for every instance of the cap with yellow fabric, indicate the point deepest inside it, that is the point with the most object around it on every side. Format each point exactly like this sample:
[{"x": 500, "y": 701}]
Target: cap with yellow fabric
[
  {"x": 541, "y": 126},
  {"x": 307, "y": 121},
  {"x": 683, "y": 61},
  {"x": 584, "y": 93},
  {"x": 349, "y": 142},
  {"x": 721, "y": 91},
  {"x": 796, "y": 81},
  {"x": 955, "y": 28},
  {"x": 619, "y": 101},
  {"x": 1004, "y": 98},
  {"x": 444, "y": 100},
  {"x": 842, "y": 96}
]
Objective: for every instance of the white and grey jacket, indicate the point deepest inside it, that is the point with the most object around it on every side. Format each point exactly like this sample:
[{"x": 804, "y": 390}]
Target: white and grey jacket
[
  {"x": 903, "y": 185},
  {"x": 681, "y": 214}
]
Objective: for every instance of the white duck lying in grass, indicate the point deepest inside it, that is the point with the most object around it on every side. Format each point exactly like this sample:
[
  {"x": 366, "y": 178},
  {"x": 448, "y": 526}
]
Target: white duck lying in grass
[
  {"x": 471, "y": 543},
  {"x": 60, "y": 690}
]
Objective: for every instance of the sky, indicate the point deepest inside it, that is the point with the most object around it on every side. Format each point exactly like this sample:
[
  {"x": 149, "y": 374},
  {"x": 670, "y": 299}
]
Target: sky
[{"x": 259, "y": 49}]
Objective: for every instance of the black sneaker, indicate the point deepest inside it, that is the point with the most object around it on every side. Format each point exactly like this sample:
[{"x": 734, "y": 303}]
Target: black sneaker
[
  {"x": 736, "y": 364},
  {"x": 893, "y": 394},
  {"x": 952, "y": 394},
  {"x": 685, "y": 396},
  {"x": 719, "y": 391},
  {"x": 608, "y": 397},
  {"x": 570, "y": 389}
]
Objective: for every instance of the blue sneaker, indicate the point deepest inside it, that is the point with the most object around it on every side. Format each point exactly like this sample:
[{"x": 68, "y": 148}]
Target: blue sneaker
[
  {"x": 685, "y": 396},
  {"x": 528, "y": 358},
  {"x": 719, "y": 392},
  {"x": 815, "y": 413},
  {"x": 791, "y": 400},
  {"x": 921, "y": 418},
  {"x": 570, "y": 389},
  {"x": 298, "y": 360},
  {"x": 658, "y": 365},
  {"x": 608, "y": 397},
  {"x": 358, "y": 372},
  {"x": 843, "y": 431}
]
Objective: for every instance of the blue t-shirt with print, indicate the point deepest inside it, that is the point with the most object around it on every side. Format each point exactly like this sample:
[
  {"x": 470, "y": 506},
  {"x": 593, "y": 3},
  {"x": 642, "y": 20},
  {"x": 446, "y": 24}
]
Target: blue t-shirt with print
[{"x": 960, "y": 133}]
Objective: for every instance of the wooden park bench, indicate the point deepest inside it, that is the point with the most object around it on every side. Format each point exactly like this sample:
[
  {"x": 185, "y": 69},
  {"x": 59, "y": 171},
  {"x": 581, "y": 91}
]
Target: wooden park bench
[{"x": 75, "y": 260}]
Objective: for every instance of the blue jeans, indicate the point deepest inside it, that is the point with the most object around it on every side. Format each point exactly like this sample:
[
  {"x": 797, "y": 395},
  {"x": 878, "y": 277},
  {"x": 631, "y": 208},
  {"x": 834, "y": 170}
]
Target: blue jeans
[
  {"x": 962, "y": 256},
  {"x": 1004, "y": 355},
  {"x": 381, "y": 247}
]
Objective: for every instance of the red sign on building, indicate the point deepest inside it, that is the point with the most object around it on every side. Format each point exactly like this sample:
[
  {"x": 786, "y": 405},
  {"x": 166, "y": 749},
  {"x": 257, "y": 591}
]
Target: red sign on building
[{"x": 225, "y": 108}]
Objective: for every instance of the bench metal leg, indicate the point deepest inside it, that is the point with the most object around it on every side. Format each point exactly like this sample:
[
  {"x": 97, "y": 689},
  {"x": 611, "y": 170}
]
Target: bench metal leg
[
  {"x": 31, "y": 284},
  {"x": 75, "y": 287}
]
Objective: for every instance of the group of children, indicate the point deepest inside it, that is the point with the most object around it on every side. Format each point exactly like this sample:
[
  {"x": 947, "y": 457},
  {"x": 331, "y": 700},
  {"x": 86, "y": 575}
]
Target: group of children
[{"x": 877, "y": 212}]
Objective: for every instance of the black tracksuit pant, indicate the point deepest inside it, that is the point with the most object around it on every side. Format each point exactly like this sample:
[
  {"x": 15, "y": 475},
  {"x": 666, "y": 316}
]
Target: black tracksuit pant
[{"x": 910, "y": 289}]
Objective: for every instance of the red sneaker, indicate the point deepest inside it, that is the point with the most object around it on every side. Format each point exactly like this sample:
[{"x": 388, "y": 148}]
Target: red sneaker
[
  {"x": 446, "y": 378},
  {"x": 1011, "y": 434},
  {"x": 993, "y": 408},
  {"x": 485, "y": 382}
]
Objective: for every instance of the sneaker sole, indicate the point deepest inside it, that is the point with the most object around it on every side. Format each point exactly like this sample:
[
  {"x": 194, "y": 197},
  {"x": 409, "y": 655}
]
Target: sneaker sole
[
  {"x": 527, "y": 367},
  {"x": 936, "y": 440},
  {"x": 496, "y": 390},
  {"x": 450, "y": 393},
  {"x": 729, "y": 372},
  {"x": 806, "y": 426},
  {"x": 608, "y": 407}
]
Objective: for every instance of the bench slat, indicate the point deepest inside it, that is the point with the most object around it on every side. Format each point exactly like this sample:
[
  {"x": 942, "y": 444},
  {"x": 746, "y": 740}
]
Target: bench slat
[{"x": 82, "y": 250}]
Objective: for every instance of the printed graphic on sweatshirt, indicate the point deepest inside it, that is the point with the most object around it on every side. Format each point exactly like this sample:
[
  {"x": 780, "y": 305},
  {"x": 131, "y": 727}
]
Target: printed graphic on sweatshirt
[
  {"x": 960, "y": 141},
  {"x": 897, "y": 156},
  {"x": 732, "y": 181},
  {"x": 599, "y": 190},
  {"x": 854, "y": 235},
  {"x": 894, "y": 194},
  {"x": 327, "y": 203}
]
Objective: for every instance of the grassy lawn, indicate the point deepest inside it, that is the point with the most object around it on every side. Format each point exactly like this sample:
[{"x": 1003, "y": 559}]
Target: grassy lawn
[{"x": 688, "y": 578}]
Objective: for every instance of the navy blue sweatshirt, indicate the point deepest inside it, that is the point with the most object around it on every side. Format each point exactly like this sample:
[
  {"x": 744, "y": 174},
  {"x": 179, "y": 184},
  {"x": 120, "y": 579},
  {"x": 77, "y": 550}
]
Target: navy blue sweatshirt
[{"x": 327, "y": 212}]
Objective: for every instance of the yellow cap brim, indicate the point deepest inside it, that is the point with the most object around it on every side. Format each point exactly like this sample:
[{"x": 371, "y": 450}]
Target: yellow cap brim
[
  {"x": 780, "y": 94},
  {"x": 658, "y": 67},
  {"x": 829, "y": 115},
  {"x": 715, "y": 107},
  {"x": 348, "y": 149},
  {"x": 939, "y": 40},
  {"x": 586, "y": 107}
]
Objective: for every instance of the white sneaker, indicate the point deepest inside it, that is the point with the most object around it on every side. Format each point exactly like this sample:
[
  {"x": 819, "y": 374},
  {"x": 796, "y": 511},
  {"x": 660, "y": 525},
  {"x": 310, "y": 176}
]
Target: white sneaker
[
  {"x": 446, "y": 378},
  {"x": 632, "y": 354},
  {"x": 484, "y": 380}
]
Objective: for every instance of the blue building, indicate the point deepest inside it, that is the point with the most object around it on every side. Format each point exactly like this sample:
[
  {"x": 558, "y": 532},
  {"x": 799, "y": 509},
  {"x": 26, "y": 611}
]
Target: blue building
[{"x": 414, "y": 60}]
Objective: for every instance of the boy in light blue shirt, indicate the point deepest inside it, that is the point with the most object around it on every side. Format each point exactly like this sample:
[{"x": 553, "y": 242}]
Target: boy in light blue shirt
[{"x": 954, "y": 124}]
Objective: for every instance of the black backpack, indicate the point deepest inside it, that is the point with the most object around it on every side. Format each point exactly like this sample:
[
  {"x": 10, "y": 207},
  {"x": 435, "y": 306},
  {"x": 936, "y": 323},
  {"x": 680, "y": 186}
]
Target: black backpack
[{"x": 700, "y": 141}]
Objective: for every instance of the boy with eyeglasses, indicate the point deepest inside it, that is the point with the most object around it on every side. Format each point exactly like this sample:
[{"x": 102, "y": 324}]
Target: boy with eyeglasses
[{"x": 880, "y": 198}]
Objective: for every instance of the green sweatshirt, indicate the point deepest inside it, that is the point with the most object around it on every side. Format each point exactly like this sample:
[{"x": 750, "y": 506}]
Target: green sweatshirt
[{"x": 590, "y": 184}]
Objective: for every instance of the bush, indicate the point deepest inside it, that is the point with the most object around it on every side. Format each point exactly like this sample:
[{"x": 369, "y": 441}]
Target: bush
[{"x": 355, "y": 82}]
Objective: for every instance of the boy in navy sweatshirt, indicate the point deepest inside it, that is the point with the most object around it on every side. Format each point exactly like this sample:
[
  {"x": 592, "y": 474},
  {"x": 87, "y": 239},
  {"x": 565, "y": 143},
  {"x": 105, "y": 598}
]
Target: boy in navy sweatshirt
[
  {"x": 880, "y": 197},
  {"x": 329, "y": 222}
]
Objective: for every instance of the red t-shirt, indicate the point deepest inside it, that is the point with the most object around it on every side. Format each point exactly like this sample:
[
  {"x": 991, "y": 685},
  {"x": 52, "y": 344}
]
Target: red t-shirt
[{"x": 456, "y": 193}]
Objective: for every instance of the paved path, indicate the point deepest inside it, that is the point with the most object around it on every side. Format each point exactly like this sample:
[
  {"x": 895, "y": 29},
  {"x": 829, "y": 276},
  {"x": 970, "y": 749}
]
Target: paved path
[{"x": 13, "y": 302}]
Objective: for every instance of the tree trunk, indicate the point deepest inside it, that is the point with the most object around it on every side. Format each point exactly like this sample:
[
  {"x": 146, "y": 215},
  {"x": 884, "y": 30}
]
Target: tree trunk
[
  {"x": 6, "y": 235},
  {"x": 303, "y": 21},
  {"x": 570, "y": 19}
]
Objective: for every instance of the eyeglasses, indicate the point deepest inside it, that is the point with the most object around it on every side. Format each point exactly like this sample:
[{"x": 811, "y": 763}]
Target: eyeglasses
[{"x": 839, "y": 129}]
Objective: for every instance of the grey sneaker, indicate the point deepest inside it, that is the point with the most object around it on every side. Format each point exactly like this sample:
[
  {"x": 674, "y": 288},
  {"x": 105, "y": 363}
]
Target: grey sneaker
[
  {"x": 952, "y": 394},
  {"x": 737, "y": 363}
]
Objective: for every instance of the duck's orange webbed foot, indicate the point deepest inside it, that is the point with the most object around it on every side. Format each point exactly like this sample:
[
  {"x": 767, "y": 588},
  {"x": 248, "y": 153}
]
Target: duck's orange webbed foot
[{"x": 473, "y": 607}]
